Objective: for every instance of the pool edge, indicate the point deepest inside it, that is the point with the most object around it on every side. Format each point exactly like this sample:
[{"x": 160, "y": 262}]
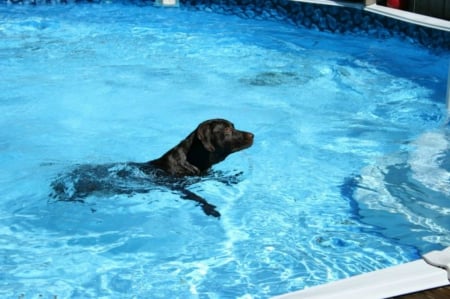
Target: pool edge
[
  {"x": 412, "y": 277},
  {"x": 336, "y": 16},
  {"x": 409, "y": 17},
  {"x": 398, "y": 14}
]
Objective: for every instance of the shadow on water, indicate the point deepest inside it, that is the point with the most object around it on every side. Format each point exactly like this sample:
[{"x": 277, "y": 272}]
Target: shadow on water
[{"x": 275, "y": 78}]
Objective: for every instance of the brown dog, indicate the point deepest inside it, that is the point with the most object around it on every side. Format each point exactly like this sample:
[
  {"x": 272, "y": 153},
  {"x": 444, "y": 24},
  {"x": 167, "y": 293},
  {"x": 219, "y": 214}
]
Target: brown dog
[{"x": 210, "y": 143}]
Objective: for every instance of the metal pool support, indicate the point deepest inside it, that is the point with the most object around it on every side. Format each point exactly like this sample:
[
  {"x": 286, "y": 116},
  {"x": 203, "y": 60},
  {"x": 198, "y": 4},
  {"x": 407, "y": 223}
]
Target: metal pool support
[
  {"x": 448, "y": 88},
  {"x": 167, "y": 3}
]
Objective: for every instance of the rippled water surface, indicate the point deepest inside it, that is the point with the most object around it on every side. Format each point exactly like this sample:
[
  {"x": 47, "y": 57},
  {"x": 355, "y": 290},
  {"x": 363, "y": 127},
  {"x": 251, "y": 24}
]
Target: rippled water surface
[{"x": 349, "y": 171}]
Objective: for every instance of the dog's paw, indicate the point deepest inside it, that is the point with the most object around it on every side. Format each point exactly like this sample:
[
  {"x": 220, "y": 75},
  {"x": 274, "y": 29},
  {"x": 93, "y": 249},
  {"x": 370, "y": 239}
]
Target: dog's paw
[{"x": 210, "y": 210}]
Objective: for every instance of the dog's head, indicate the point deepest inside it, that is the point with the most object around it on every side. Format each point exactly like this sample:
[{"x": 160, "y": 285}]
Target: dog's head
[
  {"x": 220, "y": 137},
  {"x": 210, "y": 143}
]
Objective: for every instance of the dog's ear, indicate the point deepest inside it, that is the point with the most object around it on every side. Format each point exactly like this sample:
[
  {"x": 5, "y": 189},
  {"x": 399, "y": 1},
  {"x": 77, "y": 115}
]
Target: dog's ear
[{"x": 204, "y": 135}]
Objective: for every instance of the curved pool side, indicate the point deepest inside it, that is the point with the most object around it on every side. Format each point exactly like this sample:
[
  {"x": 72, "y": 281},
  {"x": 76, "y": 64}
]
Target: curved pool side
[{"x": 336, "y": 17}]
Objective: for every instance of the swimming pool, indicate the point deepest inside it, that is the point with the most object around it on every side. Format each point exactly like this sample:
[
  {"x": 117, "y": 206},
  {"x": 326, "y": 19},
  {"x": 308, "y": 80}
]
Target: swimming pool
[{"x": 341, "y": 179}]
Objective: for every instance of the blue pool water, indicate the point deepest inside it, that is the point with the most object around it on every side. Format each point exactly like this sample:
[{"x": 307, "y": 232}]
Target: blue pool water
[{"x": 349, "y": 171}]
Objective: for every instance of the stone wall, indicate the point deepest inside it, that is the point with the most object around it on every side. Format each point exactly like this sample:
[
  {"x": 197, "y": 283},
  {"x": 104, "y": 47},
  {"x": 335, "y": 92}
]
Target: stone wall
[{"x": 326, "y": 18}]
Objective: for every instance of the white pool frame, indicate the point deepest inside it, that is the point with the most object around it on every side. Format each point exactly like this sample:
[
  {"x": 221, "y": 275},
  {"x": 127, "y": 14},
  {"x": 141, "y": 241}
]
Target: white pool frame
[{"x": 431, "y": 272}]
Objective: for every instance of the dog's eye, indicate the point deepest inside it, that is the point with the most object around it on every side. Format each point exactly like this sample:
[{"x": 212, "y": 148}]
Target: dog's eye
[{"x": 228, "y": 131}]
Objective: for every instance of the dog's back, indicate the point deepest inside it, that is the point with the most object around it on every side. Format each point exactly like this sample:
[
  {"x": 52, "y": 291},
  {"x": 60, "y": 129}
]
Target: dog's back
[{"x": 104, "y": 179}]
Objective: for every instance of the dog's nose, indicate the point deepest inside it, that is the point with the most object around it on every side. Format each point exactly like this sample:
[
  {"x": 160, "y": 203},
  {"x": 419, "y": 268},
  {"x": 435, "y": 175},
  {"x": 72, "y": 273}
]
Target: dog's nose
[{"x": 250, "y": 136}]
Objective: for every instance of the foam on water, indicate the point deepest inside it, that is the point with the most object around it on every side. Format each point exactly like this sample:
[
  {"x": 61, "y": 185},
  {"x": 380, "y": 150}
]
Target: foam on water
[{"x": 337, "y": 183}]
